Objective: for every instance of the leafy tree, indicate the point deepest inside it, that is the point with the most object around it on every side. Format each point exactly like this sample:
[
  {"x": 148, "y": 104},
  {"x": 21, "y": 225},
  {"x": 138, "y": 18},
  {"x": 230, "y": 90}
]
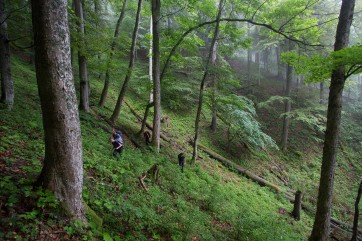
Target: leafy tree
[
  {"x": 111, "y": 54},
  {"x": 202, "y": 85},
  {"x": 124, "y": 88},
  {"x": 321, "y": 224}
]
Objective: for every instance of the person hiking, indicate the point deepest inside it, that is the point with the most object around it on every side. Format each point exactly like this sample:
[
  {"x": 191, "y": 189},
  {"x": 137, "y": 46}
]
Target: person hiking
[
  {"x": 117, "y": 147},
  {"x": 181, "y": 161},
  {"x": 117, "y": 135}
]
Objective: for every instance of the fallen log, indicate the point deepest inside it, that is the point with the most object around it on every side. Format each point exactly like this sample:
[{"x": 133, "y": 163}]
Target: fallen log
[{"x": 239, "y": 169}]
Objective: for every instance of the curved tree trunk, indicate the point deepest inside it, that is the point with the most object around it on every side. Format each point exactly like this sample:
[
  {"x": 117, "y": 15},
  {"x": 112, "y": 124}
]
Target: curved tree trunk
[
  {"x": 7, "y": 85},
  {"x": 82, "y": 60},
  {"x": 132, "y": 54},
  {"x": 156, "y": 8},
  {"x": 321, "y": 225},
  {"x": 62, "y": 172},
  {"x": 202, "y": 85},
  {"x": 104, "y": 94}
]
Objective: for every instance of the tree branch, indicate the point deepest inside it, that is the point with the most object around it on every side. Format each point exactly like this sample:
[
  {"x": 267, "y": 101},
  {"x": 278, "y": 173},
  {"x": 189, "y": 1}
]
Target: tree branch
[
  {"x": 352, "y": 70},
  {"x": 306, "y": 7},
  {"x": 173, "y": 50}
]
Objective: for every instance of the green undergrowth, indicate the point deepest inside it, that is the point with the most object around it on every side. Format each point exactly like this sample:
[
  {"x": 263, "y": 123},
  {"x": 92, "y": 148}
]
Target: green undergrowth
[{"x": 206, "y": 202}]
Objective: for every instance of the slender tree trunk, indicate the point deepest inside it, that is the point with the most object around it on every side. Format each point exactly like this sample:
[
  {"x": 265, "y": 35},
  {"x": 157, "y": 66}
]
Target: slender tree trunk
[
  {"x": 202, "y": 85},
  {"x": 249, "y": 58},
  {"x": 82, "y": 60},
  {"x": 97, "y": 11},
  {"x": 62, "y": 172},
  {"x": 356, "y": 213},
  {"x": 7, "y": 85},
  {"x": 321, "y": 225},
  {"x": 214, "y": 85},
  {"x": 280, "y": 66},
  {"x": 287, "y": 104},
  {"x": 132, "y": 54},
  {"x": 321, "y": 92},
  {"x": 104, "y": 94},
  {"x": 156, "y": 8},
  {"x": 150, "y": 68},
  {"x": 360, "y": 87}
]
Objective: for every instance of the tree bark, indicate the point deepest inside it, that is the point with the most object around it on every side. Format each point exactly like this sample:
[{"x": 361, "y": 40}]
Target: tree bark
[
  {"x": 321, "y": 227},
  {"x": 356, "y": 214},
  {"x": 132, "y": 54},
  {"x": 62, "y": 172},
  {"x": 287, "y": 104},
  {"x": 202, "y": 85},
  {"x": 156, "y": 8},
  {"x": 82, "y": 60},
  {"x": 104, "y": 94},
  {"x": 7, "y": 85}
]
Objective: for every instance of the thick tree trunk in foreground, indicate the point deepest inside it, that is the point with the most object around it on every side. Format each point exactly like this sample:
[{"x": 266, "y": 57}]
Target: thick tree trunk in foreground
[
  {"x": 82, "y": 60},
  {"x": 62, "y": 172},
  {"x": 202, "y": 85},
  {"x": 104, "y": 94},
  {"x": 321, "y": 227},
  {"x": 156, "y": 8},
  {"x": 356, "y": 213},
  {"x": 132, "y": 54},
  {"x": 7, "y": 85},
  {"x": 287, "y": 105}
]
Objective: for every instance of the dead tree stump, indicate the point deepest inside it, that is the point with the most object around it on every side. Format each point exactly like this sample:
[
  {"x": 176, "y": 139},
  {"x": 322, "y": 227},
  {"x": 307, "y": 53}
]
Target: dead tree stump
[{"x": 297, "y": 205}]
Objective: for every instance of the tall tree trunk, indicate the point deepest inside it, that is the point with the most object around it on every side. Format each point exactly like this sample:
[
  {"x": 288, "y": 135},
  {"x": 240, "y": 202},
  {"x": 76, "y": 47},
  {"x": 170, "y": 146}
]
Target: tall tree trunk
[
  {"x": 356, "y": 213},
  {"x": 62, "y": 172},
  {"x": 104, "y": 94},
  {"x": 202, "y": 85},
  {"x": 156, "y": 8},
  {"x": 321, "y": 225},
  {"x": 287, "y": 103},
  {"x": 132, "y": 54},
  {"x": 82, "y": 60},
  {"x": 7, "y": 85}
]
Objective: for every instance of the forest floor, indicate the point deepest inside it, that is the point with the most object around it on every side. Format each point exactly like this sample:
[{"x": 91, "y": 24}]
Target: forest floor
[{"x": 206, "y": 202}]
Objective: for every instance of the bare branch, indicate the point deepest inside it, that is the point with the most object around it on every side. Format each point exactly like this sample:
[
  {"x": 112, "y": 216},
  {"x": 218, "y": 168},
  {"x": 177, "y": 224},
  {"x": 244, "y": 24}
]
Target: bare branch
[{"x": 9, "y": 14}]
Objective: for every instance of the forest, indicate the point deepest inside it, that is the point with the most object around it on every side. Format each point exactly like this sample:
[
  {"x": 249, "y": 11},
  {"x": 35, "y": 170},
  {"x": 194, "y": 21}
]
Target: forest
[{"x": 181, "y": 120}]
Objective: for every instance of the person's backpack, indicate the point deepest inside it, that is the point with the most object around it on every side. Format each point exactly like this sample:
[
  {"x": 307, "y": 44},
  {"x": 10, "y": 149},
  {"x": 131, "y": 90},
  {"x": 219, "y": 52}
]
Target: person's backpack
[{"x": 118, "y": 137}]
